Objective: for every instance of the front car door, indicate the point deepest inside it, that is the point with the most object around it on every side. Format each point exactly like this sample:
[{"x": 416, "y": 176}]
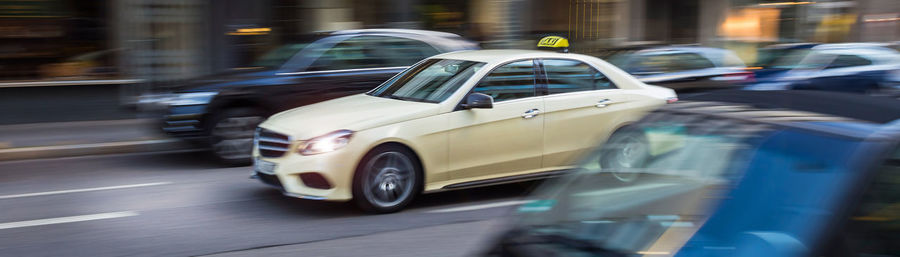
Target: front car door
[
  {"x": 505, "y": 139},
  {"x": 582, "y": 108}
]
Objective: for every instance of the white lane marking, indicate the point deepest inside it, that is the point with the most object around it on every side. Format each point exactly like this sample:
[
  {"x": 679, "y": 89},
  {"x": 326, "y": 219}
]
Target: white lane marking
[
  {"x": 480, "y": 206},
  {"x": 624, "y": 189},
  {"x": 84, "y": 190},
  {"x": 40, "y": 222}
]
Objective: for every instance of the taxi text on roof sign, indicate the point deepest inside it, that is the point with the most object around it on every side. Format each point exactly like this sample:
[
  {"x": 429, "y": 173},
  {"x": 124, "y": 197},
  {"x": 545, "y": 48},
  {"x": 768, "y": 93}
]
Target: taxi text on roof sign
[{"x": 553, "y": 41}]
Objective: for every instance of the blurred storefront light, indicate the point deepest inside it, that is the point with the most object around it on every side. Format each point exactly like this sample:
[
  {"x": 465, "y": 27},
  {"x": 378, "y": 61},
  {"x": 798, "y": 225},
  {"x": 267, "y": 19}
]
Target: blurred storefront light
[
  {"x": 250, "y": 31},
  {"x": 785, "y": 3},
  {"x": 758, "y": 24}
]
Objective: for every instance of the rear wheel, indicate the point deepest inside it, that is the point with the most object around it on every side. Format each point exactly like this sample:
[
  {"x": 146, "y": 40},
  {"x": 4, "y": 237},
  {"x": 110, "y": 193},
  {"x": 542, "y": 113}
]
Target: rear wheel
[
  {"x": 626, "y": 154},
  {"x": 387, "y": 179},
  {"x": 231, "y": 135}
]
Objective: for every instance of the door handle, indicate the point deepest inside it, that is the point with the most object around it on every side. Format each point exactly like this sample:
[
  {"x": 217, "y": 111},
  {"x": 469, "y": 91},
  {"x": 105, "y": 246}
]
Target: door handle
[
  {"x": 531, "y": 113},
  {"x": 603, "y": 103}
]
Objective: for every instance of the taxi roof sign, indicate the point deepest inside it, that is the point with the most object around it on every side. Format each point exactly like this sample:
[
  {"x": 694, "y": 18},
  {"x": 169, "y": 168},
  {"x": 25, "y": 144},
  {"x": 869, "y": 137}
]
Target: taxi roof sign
[{"x": 553, "y": 42}]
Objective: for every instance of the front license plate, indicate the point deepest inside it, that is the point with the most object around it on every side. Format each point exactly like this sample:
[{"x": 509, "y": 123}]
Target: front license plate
[{"x": 264, "y": 167}]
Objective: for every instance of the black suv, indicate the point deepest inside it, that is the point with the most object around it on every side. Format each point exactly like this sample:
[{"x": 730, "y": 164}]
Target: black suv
[{"x": 223, "y": 110}]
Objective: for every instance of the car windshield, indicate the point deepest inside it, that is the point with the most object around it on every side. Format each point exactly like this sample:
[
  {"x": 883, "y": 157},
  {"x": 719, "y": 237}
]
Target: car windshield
[
  {"x": 276, "y": 57},
  {"x": 646, "y": 189},
  {"x": 431, "y": 81}
]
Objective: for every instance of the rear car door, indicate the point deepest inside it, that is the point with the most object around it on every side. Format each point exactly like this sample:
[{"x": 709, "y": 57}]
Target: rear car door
[
  {"x": 505, "y": 139},
  {"x": 582, "y": 106}
]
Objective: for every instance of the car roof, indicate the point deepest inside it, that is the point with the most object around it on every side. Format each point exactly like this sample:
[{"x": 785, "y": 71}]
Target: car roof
[
  {"x": 692, "y": 49},
  {"x": 495, "y": 55},
  {"x": 792, "y": 46},
  {"x": 810, "y": 110},
  {"x": 398, "y": 31},
  {"x": 873, "y": 45}
]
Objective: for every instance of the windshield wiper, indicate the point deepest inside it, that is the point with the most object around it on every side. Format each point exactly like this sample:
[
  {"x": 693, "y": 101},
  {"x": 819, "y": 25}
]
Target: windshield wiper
[{"x": 404, "y": 98}]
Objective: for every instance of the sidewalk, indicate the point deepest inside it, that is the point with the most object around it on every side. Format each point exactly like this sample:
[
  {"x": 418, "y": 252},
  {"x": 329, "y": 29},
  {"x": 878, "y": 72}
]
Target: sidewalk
[{"x": 64, "y": 139}]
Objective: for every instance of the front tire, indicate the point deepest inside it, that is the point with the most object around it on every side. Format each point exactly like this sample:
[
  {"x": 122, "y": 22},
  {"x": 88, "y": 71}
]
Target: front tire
[
  {"x": 231, "y": 135},
  {"x": 387, "y": 179}
]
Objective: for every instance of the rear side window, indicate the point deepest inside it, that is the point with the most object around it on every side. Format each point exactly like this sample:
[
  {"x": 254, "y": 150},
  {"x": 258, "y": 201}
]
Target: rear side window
[
  {"x": 671, "y": 62},
  {"x": 564, "y": 76},
  {"x": 508, "y": 82},
  {"x": 846, "y": 60}
]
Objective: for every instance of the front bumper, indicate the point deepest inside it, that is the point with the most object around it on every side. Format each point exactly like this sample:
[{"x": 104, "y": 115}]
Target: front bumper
[{"x": 293, "y": 172}]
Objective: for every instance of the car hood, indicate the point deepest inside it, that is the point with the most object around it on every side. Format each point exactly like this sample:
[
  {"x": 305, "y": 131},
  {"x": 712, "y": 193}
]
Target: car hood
[{"x": 356, "y": 112}]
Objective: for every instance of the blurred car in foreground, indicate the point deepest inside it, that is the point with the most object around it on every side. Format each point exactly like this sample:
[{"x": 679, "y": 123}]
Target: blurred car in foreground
[
  {"x": 786, "y": 173},
  {"x": 848, "y": 67},
  {"x": 453, "y": 121},
  {"x": 223, "y": 110},
  {"x": 684, "y": 68}
]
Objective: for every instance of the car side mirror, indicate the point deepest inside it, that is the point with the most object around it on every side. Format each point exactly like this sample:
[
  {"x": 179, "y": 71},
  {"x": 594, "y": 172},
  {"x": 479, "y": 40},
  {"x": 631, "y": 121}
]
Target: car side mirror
[{"x": 478, "y": 101}]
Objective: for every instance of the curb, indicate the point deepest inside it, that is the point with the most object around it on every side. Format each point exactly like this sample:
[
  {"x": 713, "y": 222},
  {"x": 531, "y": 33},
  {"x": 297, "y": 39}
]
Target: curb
[{"x": 40, "y": 152}]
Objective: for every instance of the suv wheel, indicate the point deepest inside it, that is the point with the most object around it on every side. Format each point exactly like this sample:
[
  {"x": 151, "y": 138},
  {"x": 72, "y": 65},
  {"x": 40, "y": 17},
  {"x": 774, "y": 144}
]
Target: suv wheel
[{"x": 231, "y": 135}]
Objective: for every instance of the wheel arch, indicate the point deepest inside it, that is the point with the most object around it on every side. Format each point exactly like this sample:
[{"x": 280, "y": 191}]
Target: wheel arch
[{"x": 217, "y": 106}]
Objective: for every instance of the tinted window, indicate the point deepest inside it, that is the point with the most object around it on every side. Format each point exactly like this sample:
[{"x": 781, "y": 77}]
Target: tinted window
[
  {"x": 352, "y": 53},
  {"x": 402, "y": 51},
  {"x": 565, "y": 76},
  {"x": 848, "y": 61},
  {"x": 671, "y": 62},
  {"x": 508, "y": 82}
]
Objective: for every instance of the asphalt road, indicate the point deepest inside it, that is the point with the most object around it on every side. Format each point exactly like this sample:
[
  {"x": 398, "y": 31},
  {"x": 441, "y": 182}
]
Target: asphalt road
[{"x": 180, "y": 204}]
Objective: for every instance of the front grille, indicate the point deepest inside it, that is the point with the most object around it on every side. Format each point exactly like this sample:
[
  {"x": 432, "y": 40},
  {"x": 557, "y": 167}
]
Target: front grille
[{"x": 272, "y": 144}]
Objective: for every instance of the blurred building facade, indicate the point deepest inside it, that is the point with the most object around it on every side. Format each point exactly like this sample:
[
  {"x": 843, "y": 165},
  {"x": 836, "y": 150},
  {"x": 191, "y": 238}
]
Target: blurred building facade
[{"x": 161, "y": 41}]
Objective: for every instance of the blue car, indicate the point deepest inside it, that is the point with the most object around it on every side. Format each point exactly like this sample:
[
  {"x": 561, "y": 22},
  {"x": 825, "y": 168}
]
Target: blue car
[
  {"x": 850, "y": 67},
  {"x": 733, "y": 173}
]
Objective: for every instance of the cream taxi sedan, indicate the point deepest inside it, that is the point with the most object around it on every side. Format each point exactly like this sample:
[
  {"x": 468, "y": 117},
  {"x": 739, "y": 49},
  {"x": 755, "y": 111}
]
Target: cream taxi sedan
[{"x": 451, "y": 121}]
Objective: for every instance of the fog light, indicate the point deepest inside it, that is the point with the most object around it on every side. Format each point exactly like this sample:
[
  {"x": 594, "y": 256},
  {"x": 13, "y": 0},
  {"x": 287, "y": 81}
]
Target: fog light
[{"x": 315, "y": 180}]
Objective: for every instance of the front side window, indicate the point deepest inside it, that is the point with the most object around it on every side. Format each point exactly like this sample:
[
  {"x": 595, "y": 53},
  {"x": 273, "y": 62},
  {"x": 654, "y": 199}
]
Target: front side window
[
  {"x": 508, "y": 82},
  {"x": 431, "y": 81},
  {"x": 278, "y": 56},
  {"x": 564, "y": 76},
  {"x": 352, "y": 53}
]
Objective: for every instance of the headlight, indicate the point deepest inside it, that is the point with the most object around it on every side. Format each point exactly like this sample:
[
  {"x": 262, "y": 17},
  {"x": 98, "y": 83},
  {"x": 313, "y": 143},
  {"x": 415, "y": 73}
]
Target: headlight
[
  {"x": 191, "y": 98},
  {"x": 327, "y": 143}
]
